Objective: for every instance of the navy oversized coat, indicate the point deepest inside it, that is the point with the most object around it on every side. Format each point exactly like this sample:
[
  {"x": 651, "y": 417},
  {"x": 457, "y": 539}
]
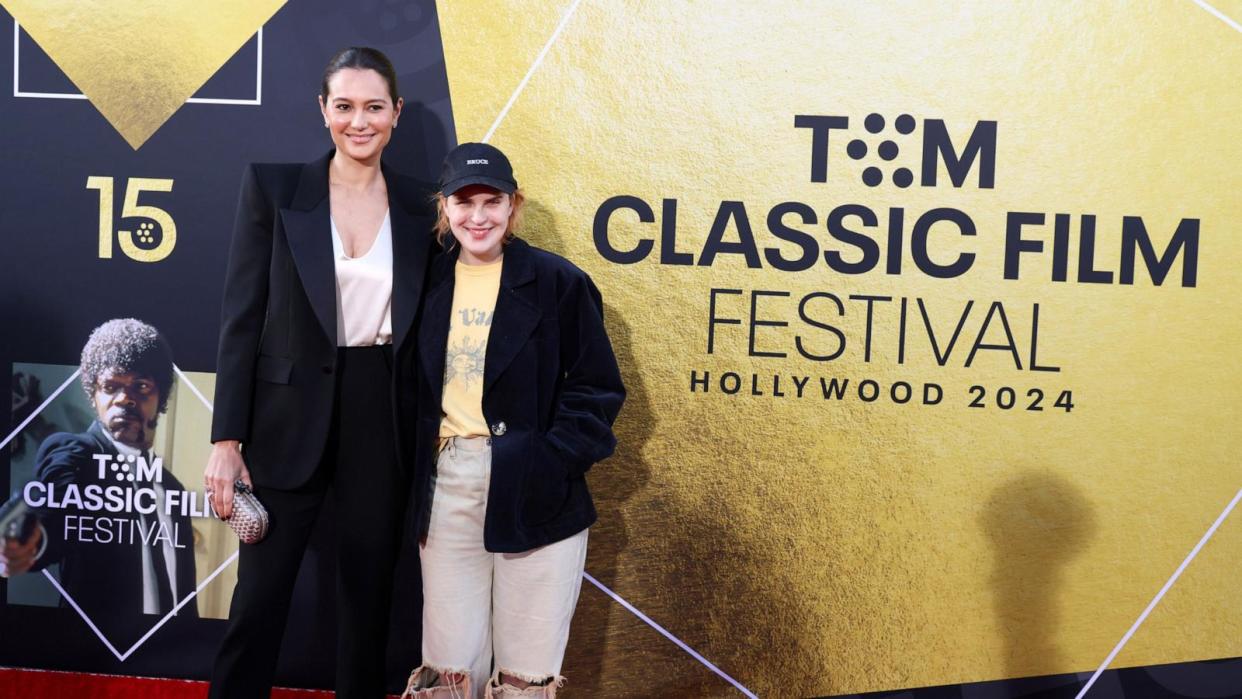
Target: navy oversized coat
[{"x": 551, "y": 391}]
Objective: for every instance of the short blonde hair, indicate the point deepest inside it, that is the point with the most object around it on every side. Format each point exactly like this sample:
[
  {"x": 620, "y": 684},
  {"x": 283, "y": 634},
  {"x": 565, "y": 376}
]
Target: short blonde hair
[{"x": 444, "y": 232}]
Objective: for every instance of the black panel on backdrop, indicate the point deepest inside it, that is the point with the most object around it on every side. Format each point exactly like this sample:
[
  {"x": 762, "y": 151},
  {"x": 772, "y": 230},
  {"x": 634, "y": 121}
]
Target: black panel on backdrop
[{"x": 56, "y": 287}]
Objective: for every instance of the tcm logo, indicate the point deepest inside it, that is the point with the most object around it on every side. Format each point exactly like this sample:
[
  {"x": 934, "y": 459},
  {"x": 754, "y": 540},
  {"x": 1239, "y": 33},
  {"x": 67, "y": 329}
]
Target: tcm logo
[
  {"x": 154, "y": 236},
  {"x": 129, "y": 468},
  {"x": 886, "y": 139}
]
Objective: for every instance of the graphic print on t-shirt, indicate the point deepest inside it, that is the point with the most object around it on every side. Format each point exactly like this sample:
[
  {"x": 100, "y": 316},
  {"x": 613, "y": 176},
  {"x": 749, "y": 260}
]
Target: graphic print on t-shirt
[
  {"x": 474, "y": 305},
  {"x": 464, "y": 359}
]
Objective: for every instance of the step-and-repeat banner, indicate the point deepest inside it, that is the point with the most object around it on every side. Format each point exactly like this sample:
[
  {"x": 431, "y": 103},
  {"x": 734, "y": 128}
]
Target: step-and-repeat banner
[{"x": 928, "y": 316}]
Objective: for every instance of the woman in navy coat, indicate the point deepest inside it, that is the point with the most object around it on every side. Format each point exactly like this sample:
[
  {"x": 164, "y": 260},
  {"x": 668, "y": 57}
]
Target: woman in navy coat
[{"x": 518, "y": 390}]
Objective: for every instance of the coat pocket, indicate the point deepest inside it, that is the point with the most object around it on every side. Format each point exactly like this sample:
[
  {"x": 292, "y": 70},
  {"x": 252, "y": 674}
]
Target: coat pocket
[
  {"x": 274, "y": 369},
  {"x": 546, "y": 488}
]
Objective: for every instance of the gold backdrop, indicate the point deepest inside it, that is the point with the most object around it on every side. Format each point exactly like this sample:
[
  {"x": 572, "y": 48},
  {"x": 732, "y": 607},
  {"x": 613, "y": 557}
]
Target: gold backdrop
[{"x": 811, "y": 546}]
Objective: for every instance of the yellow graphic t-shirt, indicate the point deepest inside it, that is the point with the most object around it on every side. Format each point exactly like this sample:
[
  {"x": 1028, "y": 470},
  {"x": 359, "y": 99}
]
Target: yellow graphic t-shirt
[{"x": 474, "y": 302}]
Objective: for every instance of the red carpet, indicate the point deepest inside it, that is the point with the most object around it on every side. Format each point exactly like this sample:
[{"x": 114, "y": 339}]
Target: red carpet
[{"x": 42, "y": 684}]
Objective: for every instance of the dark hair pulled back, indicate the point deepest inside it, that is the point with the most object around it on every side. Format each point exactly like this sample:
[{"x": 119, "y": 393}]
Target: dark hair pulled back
[{"x": 362, "y": 58}]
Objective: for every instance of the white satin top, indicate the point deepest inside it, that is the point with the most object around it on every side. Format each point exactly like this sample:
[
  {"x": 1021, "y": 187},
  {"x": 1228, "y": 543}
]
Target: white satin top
[{"x": 364, "y": 291}]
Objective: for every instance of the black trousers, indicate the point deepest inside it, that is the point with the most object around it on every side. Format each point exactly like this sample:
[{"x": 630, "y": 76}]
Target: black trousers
[{"x": 359, "y": 471}]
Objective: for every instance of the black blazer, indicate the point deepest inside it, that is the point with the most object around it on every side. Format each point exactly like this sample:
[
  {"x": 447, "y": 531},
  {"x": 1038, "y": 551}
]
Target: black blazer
[
  {"x": 274, "y": 380},
  {"x": 105, "y": 579},
  {"x": 551, "y": 391}
]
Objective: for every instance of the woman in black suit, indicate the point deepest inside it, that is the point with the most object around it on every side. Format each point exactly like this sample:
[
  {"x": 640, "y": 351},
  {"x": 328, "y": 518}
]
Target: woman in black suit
[{"x": 324, "y": 278}]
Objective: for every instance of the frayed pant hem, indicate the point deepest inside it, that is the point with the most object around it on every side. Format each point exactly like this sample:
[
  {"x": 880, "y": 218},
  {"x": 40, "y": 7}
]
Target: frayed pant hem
[
  {"x": 446, "y": 669},
  {"x": 552, "y": 680},
  {"x": 425, "y": 681}
]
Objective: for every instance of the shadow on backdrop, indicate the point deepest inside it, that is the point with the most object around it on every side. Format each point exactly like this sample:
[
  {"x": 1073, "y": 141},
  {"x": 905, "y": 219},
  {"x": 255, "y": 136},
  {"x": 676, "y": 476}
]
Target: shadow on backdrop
[{"x": 1037, "y": 522}]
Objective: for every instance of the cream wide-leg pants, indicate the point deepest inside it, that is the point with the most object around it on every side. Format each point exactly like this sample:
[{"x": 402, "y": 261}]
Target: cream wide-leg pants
[{"x": 516, "y": 606}]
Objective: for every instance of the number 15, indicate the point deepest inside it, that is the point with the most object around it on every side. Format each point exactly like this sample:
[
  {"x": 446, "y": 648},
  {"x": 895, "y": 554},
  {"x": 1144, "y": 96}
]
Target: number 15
[{"x": 132, "y": 209}]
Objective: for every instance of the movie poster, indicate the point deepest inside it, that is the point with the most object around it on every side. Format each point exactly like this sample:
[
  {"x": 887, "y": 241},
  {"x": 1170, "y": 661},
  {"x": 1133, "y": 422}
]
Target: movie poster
[{"x": 108, "y": 495}]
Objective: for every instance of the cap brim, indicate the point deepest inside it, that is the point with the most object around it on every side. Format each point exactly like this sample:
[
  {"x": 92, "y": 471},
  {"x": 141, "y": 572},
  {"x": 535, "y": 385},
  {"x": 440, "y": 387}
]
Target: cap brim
[{"x": 502, "y": 185}]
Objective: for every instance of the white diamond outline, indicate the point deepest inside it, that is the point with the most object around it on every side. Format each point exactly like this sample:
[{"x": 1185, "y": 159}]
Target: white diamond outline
[
  {"x": 46, "y": 402},
  {"x": 258, "y": 78},
  {"x": 56, "y": 583}
]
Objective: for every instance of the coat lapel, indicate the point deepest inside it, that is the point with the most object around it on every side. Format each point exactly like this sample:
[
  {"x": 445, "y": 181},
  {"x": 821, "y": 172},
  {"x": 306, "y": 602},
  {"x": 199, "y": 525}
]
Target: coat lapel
[
  {"x": 410, "y": 249},
  {"x": 433, "y": 330},
  {"x": 96, "y": 431},
  {"x": 517, "y": 312},
  {"x": 308, "y": 229}
]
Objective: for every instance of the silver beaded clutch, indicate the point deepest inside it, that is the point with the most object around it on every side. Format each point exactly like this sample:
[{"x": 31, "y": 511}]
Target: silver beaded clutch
[{"x": 249, "y": 519}]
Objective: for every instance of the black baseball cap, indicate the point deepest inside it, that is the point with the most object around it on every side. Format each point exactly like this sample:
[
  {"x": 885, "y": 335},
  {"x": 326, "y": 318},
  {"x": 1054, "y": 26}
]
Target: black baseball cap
[{"x": 476, "y": 163}]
